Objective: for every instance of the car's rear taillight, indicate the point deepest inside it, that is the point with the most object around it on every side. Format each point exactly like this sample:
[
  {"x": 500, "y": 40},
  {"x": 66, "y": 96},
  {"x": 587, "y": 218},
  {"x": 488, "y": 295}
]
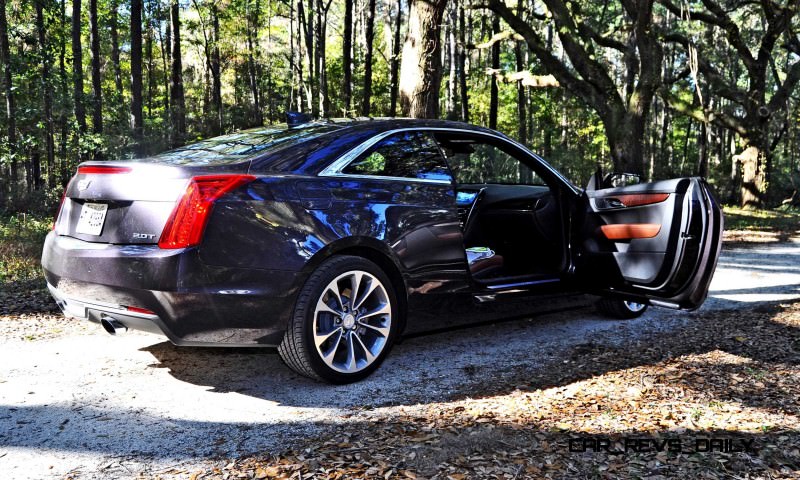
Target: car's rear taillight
[
  {"x": 188, "y": 220},
  {"x": 103, "y": 169},
  {"x": 60, "y": 206}
]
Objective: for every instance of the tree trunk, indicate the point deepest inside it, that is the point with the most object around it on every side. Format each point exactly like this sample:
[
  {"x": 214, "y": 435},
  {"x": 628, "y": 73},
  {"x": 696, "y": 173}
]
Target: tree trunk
[
  {"x": 702, "y": 144},
  {"x": 292, "y": 60},
  {"x": 8, "y": 90},
  {"x": 369, "y": 36},
  {"x": 148, "y": 48},
  {"x": 420, "y": 69},
  {"x": 47, "y": 94},
  {"x": 665, "y": 163},
  {"x": 64, "y": 85},
  {"x": 452, "y": 59},
  {"x": 626, "y": 142},
  {"x": 755, "y": 161},
  {"x": 113, "y": 19},
  {"x": 307, "y": 22},
  {"x": 522, "y": 118},
  {"x": 252, "y": 69},
  {"x": 299, "y": 49},
  {"x": 137, "y": 117},
  {"x": 347, "y": 58},
  {"x": 77, "y": 67},
  {"x": 97, "y": 81},
  {"x": 547, "y": 123},
  {"x": 216, "y": 72},
  {"x": 177, "y": 100},
  {"x": 270, "y": 80},
  {"x": 164, "y": 44},
  {"x": 462, "y": 65},
  {"x": 322, "y": 21},
  {"x": 754, "y": 179},
  {"x": 494, "y": 90},
  {"x": 395, "y": 64}
]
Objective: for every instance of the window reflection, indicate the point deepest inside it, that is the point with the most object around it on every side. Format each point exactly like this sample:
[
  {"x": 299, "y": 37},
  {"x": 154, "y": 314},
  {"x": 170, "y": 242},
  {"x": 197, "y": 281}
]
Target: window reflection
[
  {"x": 479, "y": 163},
  {"x": 406, "y": 155},
  {"x": 240, "y": 146}
]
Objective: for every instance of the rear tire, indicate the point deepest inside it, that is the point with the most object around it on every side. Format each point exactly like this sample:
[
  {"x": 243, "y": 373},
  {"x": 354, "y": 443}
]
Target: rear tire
[
  {"x": 621, "y": 309},
  {"x": 338, "y": 336}
]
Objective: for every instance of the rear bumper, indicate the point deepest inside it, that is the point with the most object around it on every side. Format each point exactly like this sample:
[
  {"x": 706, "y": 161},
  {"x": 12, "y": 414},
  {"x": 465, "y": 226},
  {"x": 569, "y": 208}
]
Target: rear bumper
[
  {"x": 193, "y": 303},
  {"x": 96, "y": 312}
]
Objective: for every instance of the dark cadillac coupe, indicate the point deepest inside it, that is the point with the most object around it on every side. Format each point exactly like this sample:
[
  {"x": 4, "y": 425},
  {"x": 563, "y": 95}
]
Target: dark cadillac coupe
[{"x": 330, "y": 239}]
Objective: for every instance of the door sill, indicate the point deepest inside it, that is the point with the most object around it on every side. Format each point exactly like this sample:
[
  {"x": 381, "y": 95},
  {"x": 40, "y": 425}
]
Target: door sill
[{"x": 516, "y": 282}]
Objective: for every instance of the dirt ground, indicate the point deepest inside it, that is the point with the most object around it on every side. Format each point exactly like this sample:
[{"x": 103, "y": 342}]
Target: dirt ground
[{"x": 497, "y": 401}]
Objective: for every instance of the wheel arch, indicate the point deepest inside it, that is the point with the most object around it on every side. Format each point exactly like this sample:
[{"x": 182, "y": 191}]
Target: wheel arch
[{"x": 375, "y": 251}]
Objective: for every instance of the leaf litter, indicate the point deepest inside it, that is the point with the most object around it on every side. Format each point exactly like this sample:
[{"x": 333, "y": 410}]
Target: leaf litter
[{"x": 726, "y": 374}]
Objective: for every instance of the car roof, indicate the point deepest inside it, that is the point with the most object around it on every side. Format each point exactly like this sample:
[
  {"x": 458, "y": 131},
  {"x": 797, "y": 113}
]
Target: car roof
[
  {"x": 395, "y": 122},
  {"x": 312, "y": 155}
]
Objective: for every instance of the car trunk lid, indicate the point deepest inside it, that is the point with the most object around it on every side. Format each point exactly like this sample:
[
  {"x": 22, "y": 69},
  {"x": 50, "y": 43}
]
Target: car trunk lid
[{"x": 127, "y": 202}]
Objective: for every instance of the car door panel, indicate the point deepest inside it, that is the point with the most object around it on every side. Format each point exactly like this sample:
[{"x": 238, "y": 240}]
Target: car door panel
[{"x": 653, "y": 241}]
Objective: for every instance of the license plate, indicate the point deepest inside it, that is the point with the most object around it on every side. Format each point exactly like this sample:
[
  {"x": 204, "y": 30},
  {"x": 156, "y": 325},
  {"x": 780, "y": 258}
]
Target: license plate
[{"x": 93, "y": 216}]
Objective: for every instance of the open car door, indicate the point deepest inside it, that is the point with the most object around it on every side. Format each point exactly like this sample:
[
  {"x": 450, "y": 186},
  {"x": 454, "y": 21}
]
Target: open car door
[{"x": 654, "y": 241}]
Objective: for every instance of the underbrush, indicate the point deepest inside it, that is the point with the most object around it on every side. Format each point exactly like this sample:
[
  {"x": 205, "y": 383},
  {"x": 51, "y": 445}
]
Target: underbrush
[
  {"x": 21, "y": 239},
  {"x": 737, "y": 218}
]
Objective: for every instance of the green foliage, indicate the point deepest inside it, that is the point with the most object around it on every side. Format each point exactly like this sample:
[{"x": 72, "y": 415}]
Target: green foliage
[
  {"x": 568, "y": 133},
  {"x": 785, "y": 220},
  {"x": 21, "y": 239}
]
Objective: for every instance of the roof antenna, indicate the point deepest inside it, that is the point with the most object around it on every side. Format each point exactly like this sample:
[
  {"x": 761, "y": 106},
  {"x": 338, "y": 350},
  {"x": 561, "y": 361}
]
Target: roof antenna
[{"x": 295, "y": 119}]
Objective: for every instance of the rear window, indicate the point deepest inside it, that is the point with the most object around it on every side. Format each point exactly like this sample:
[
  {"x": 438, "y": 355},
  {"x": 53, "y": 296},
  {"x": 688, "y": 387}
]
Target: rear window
[{"x": 240, "y": 146}]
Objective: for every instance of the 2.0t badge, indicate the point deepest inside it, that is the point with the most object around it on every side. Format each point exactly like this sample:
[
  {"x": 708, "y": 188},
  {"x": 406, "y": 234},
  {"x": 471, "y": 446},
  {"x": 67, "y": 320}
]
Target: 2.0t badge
[{"x": 144, "y": 236}]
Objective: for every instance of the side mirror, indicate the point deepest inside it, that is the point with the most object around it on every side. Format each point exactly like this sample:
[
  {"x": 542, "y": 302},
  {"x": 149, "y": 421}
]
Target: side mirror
[
  {"x": 613, "y": 180},
  {"x": 596, "y": 180}
]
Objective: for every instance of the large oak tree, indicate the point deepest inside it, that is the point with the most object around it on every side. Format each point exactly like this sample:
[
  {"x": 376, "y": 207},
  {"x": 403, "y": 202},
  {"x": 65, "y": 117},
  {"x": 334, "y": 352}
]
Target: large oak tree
[
  {"x": 757, "y": 35},
  {"x": 621, "y": 101}
]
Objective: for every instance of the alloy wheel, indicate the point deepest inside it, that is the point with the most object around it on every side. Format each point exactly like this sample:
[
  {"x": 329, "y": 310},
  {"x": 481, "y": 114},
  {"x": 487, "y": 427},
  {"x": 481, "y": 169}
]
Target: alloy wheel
[
  {"x": 352, "y": 321},
  {"x": 634, "y": 306}
]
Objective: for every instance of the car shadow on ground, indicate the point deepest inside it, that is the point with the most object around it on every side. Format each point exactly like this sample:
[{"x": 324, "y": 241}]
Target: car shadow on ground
[
  {"x": 750, "y": 337},
  {"x": 497, "y": 358},
  {"x": 464, "y": 364}
]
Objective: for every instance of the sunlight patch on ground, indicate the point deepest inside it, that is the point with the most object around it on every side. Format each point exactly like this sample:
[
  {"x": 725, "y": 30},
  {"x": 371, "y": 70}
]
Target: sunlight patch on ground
[{"x": 759, "y": 297}]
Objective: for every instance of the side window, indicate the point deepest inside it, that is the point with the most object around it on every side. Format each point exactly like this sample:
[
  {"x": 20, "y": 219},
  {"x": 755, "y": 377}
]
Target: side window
[
  {"x": 405, "y": 155},
  {"x": 474, "y": 162}
]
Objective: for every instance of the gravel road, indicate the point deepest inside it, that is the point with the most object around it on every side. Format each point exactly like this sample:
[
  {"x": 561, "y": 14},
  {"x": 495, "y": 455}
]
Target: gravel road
[{"x": 76, "y": 401}]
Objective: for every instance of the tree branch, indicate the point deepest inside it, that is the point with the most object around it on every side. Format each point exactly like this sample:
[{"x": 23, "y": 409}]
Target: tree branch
[
  {"x": 588, "y": 68},
  {"x": 497, "y": 37},
  {"x": 721, "y": 85},
  {"x": 733, "y": 34},
  {"x": 587, "y": 31},
  {"x": 697, "y": 113},
  {"x": 792, "y": 79},
  {"x": 778, "y": 21},
  {"x": 694, "y": 15},
  {"x": 580, "y": 87}
]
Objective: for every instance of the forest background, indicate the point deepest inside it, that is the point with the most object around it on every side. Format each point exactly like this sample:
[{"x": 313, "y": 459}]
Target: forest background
[{"x": 662, "y": 88}]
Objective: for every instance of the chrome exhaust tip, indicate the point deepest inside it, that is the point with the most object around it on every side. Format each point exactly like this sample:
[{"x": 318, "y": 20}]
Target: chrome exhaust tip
[{"x": 112, "y": 325}]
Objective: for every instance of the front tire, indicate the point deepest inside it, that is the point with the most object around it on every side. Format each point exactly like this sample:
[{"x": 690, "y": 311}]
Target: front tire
[
  {"x": 621, "y": 309},
  {"x": 344, "y": 322}
]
